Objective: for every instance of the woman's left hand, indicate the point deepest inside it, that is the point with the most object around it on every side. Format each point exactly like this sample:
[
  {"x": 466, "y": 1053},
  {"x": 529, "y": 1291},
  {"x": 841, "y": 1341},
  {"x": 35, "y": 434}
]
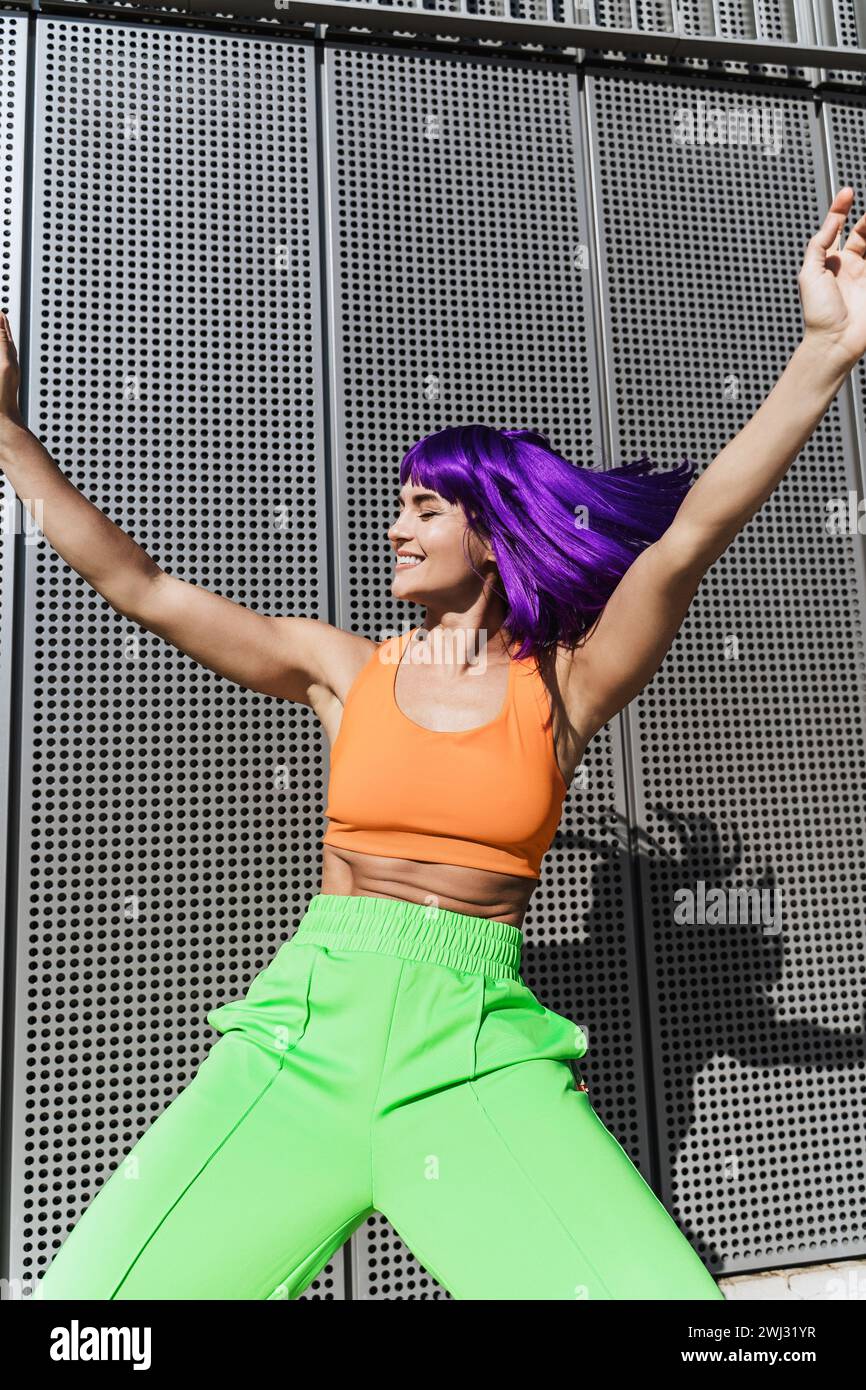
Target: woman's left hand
[{"x": 832, "y": 284}]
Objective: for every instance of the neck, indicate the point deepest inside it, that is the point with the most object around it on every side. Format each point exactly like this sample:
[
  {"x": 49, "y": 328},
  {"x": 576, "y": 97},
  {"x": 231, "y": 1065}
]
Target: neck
[{"x": 462, "y": 644}]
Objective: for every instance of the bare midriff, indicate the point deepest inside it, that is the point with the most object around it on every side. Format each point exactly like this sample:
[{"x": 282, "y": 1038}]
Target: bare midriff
[{"x": 474, "y": 892}]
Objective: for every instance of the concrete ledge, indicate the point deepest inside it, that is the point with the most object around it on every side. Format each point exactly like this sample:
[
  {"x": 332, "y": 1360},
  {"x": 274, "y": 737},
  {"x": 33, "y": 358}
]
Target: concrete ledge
[{"x": 843, "y": 1279}]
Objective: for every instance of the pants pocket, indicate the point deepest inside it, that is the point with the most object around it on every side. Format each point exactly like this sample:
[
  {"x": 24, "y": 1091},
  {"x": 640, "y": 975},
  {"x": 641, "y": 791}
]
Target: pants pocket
[
  {"x": 275, "y": 1011},
  {"x": 513, "y": 1026}
]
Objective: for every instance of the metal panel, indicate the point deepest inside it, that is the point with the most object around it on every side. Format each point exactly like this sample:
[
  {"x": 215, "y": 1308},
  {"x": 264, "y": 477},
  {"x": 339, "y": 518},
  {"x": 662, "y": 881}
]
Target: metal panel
[
  {"x": 747, "y": 746},
  {"x": 456, "y": 203},
  {"x": 841, "y": 23},
  {"x": 843, "y": 128},
  {"x": 456, "y": 195},
  {"x": 170, "y": 820},
  {"x": 761, "y": 37},
  {"x": 16, "y": 521},
  {"x": 774, "y": 20}
]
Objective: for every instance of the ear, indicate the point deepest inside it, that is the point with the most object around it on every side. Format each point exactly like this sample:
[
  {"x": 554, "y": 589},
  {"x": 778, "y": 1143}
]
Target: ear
[{"x": 489, "y": 552}]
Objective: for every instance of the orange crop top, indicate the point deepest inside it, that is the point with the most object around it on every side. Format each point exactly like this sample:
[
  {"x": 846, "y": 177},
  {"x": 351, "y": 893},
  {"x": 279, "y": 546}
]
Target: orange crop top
[{"x": 486, "y": 798}]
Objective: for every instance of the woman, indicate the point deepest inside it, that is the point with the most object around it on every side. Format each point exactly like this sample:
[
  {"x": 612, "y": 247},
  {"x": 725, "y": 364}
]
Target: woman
[{"x": 390, "y": 1058}]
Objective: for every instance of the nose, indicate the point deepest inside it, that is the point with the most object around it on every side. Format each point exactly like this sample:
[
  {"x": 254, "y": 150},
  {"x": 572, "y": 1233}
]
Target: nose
[{"x": 400, "y": 531}]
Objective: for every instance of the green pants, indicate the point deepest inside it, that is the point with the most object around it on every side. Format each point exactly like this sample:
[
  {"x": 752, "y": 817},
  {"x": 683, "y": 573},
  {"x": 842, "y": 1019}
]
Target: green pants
[{"x": 389, "y": 1059}]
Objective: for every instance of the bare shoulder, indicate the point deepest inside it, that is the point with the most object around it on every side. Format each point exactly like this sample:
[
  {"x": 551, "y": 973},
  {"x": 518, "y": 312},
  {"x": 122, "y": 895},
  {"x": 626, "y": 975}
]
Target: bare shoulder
[
  {"x": 574, "y": 666},
  {"x": 329, "y": 656},
  {"x": 572, "y": 726}
]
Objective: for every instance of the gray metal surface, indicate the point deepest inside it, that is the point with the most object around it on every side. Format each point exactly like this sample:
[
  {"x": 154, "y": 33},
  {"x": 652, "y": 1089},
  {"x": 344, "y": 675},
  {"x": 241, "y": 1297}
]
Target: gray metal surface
[
  {"x": 16, "y": 527},
  {"x": 261, "y": 268},
  {"x": 456, "y": 203},
  {"x": 747, "y": 745},
  {"x": 771, "y": 37},
  {"x": 169, "y": 820},
  {"x": 841, "y": 24}
]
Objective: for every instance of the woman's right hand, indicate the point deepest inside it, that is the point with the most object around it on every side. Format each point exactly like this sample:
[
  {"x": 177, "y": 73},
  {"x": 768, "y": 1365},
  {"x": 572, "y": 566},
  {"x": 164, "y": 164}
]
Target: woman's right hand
[{"x": 10, "y": 375}]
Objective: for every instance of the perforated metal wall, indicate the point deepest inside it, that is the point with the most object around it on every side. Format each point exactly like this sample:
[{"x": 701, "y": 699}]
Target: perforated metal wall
[
  {"x": 843, "y": 129},
  {"x": 462, "y": 291},
  {"x": 236, "y": 386},
  {"x": 728, "y": 19},
  {"x": 169, "y": 819},
  {"x": 843, "y": 24},
  {"x": 748, "y": 746},
  {"x": 13, "y": 71}
]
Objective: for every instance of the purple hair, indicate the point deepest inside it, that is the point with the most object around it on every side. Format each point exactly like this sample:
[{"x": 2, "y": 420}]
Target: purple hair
[{"x": 563, "y": 534}]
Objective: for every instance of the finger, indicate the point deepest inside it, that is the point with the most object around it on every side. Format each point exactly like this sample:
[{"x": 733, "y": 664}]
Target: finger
[
  {"x": 7, "y": 338},
  {"x": 843, "y": 202},
  {"x": 835, "y": 219},
  {"x": 821, "y": 243},
  {"x": 829, "y": 232},
  {"x": 856, "y": 239}
]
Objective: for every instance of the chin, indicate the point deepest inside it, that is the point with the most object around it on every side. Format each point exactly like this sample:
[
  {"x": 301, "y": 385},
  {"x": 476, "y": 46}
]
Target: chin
[
  {"x": 408, "y": 594},
  {"x": 402, "y": 584}
]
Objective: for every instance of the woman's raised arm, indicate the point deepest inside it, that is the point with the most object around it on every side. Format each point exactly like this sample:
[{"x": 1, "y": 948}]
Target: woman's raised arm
[
  {"x": 282, "y": 656},
  {"x": 630, "y": 638}
]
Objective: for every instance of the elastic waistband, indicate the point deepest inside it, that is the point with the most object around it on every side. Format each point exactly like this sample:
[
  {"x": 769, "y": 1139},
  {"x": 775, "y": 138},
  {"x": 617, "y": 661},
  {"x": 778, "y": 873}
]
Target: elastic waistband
[{"x": 416, "y": 931}]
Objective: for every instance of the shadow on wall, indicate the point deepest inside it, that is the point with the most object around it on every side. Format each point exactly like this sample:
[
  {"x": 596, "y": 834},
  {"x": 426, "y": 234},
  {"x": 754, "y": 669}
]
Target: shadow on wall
[{"x": 724, "y": 982}]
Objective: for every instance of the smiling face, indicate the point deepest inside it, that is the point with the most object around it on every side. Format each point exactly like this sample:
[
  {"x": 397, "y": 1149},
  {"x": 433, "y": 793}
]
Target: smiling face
[{"x": 431, "y": 552}]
